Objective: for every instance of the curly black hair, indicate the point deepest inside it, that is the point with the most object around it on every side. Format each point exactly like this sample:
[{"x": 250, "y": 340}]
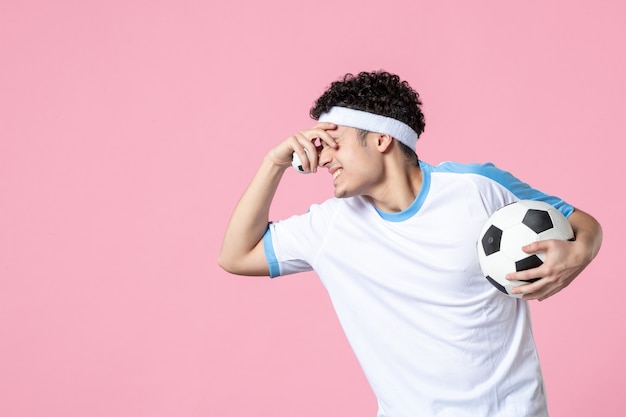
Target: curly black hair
[{"x": 377, "y": 92}]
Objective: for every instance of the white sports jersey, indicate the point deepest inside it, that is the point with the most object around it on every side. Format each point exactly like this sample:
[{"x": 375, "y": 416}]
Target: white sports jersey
[{"x": 433, "y": 336}]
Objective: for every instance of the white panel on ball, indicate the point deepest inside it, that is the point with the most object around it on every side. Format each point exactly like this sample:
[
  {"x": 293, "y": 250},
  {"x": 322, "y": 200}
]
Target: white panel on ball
[{"x": 511, "y": 227}]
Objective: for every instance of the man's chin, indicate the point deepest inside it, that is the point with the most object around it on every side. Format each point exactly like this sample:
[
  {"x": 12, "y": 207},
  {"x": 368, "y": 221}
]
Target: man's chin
[{"x": 341, "y": 193}]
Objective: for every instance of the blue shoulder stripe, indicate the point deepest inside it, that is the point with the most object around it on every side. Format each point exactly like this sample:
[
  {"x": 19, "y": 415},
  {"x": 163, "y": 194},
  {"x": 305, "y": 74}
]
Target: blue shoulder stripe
[{"x": 520, "y": 189}]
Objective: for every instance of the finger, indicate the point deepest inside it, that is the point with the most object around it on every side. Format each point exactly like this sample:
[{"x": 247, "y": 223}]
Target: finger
[
  {"x": 523, "y": 289},
  {"x": 541, "y": 295},
  {"x": 304, "y": 148},
  {"x": 323, "y": 128},
  {"x": 531, "y": 291},
  {"x": 529, "y": 275},
  {"x": 539, "y": 290},
  {"x": 309, "y": 144},
  {"x": 315, "y": 135},
  {"x": 310, "y": 147},
  {"x": 539, "y": 246}
]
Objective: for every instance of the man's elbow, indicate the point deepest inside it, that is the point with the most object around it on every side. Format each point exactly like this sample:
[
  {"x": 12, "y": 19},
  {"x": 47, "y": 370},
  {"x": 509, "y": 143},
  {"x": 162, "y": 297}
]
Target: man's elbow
[
  {"x": 227, "y": 263},
  {"x": 242, "y": 266}
]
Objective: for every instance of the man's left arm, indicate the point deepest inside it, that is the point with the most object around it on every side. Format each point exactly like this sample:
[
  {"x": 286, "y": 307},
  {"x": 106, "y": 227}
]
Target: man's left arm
[{"x": 564, "y": 261}]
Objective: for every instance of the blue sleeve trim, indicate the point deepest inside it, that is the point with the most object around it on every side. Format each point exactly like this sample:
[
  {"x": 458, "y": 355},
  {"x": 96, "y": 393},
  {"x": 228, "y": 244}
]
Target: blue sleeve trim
[{"x": 270, "y": 255}]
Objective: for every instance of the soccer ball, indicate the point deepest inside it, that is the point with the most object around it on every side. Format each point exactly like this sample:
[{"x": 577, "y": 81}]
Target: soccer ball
[{"x": 511, "y": 227}]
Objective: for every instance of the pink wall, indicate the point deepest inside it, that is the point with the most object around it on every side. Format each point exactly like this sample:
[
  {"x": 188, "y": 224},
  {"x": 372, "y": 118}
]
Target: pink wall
[{"x": 128, "y": 130}]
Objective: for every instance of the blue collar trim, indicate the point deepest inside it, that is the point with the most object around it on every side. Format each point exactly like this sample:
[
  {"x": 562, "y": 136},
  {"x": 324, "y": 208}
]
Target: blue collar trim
[{"x": 417, "y": 203}]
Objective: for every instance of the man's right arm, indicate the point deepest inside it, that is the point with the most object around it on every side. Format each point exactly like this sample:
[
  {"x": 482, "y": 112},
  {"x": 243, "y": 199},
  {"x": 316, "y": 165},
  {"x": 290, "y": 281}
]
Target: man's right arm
[
  {"x": 242, "y": 251},
  {"x": 242, "y": 248}
]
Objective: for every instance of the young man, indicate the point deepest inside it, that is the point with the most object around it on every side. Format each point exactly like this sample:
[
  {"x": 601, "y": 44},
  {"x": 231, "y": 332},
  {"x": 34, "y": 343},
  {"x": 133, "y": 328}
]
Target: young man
[{"x": 396, "y": 250}]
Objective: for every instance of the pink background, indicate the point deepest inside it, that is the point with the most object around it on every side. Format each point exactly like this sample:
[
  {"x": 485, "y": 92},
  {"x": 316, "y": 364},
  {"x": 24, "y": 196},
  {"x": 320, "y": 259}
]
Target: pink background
[{"x": 128, "y": 130}]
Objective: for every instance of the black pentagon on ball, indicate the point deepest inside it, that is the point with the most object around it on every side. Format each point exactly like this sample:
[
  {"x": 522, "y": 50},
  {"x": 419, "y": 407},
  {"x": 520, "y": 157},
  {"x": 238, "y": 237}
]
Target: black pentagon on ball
[
  {"x": 529, "y": 262},
  {"x": 538, "y": 220},
  {"x": 491, "y": 240},
  {"x": 496, "y": 284}
]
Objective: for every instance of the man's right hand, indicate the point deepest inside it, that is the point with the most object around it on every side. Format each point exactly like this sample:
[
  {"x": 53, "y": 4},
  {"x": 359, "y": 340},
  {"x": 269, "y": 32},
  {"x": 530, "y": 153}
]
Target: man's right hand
[{"x": 306, "y": 144}]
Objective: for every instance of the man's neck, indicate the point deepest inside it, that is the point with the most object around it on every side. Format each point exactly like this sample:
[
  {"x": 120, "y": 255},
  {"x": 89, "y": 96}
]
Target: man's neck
[{"x": 399, "y": 189}]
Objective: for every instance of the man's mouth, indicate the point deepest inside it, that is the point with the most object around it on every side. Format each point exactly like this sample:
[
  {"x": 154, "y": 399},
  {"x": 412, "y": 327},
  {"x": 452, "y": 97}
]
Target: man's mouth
[{"x": 337, "y": 173}]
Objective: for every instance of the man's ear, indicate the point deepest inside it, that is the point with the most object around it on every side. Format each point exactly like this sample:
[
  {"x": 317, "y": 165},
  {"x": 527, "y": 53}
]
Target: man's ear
[{"x": 383, "y": 142}]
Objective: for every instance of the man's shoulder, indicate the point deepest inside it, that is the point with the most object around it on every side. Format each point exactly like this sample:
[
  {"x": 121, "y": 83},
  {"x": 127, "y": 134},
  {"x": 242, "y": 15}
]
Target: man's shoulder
[
  {"x": 476, "y": 172},
  {"x": 481, "y": 168}
]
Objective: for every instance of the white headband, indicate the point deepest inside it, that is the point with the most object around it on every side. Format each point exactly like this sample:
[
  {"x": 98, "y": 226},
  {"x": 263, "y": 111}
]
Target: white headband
[{"x": 371, "y": 122}]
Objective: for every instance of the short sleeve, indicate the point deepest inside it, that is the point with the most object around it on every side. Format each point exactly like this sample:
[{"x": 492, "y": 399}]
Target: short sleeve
[{"x": 292, "y": 244}]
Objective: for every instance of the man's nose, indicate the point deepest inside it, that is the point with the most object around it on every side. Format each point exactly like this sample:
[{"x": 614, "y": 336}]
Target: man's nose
[{"x": 325, "y": 156}]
